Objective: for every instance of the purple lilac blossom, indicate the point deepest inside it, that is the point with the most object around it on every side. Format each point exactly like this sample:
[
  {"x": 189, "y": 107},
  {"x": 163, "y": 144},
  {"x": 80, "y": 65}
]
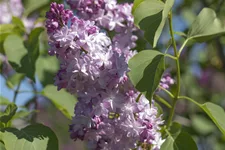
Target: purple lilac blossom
[
  {"x": 166, "y": 81},
  {"x": 110, "y": 16},
  {"x": 95, "y": 69}
]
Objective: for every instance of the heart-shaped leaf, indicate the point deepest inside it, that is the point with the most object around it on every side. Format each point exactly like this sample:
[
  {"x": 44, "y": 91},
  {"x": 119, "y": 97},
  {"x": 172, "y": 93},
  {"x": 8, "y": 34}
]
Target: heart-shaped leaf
[
  {"x": 150, "y": 16},
  {"x": 32, "y": 137},
  {"x": 205, "y": 27},
  {"x": 216, "y": 113},
  {"x": 146, "y": 68},
  {"x": 23, "y": 59},
  {"x": 16, "y": 51}
]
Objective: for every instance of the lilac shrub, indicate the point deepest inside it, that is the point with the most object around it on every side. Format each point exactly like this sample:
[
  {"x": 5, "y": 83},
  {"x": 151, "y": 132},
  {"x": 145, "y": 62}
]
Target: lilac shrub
[{"x": 110, "y": 112}]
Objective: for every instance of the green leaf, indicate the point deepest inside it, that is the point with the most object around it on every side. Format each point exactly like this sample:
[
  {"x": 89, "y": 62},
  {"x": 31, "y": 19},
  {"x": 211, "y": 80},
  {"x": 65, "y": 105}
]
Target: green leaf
[
  {"x": 32, "y": 137},
  {"x": 173, "y": 132},
  {"x": 150, "y": 16},
  {"x": 4, "y": 101},
  {"x": 184, "y": 142},
  {"x": 63, "y": 100},
  {"x": 33, "y": 49},
  {"x": 46, "y": 68},
  {"x": 205, "y": 27},
  {"x": 23, "y": 60},
  {"x": 17, "y": 55},
  {"x": 33, "y": 5},
  {"x": 6, "y": 28},
  {"x": 9, "y": 112},
  {"x": 19, "y": 23},
  {"x": 14, "y": 50},
  {"x": 202, "y": 125},
  {"x": 168, "y": 144},
  {"x": 216, "y": 113},
  {"x": 2, "y": 146},
  {"x": 146, "y": 70},
  {"x": 175, "y": 129}
]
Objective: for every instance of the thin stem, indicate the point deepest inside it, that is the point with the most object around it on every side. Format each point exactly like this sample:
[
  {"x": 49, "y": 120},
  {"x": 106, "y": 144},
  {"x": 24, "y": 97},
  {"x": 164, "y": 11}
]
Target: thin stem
[
  {"x": 171, "y": 34},
  {"x": 170, "y": 56},
  {"x": 171, "y": 113},
  {"x": 182, "y": 47},
  {"x": 168, "y": 92},
  {"x": 24, "y": 91},
  {"x": 138, "y": 98},
  {"x": 190, "y": 99},
  {"x": 16, "y": 92},
  {"x": 35, "y": 102},
  {"x": 178, "y": 71},
  {"x": 160, "y": 99}
]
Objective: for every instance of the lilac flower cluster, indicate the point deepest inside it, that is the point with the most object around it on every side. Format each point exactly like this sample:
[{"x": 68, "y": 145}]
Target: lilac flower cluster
[
  {"x": 109, "y": 16},
  {"x": 166, "y": 81},
  {"x": 110, "y": 114}
]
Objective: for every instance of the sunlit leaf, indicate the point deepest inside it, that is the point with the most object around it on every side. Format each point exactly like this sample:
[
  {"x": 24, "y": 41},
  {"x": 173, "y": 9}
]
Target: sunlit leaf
[
  {"x": 16, "y": 51},
  {"x": 9, "y": 112},
  {"x": 150, "y": 16},
  {"x": 168, "y": 144},
  {"x": 32, "y": 137},
  {"x": 205, "y": 27},
  {"x": 22, "y": 59},
  {"x": 216, "y": 113},
  {"x": 2, "y": 146},
  {"x": 146, "y": 70},
  {"x": 4, "y": 101}
]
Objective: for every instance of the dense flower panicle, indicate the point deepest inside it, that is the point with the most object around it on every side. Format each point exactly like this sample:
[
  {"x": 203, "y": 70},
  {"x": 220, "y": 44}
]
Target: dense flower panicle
[
  {"x": 57, "y": 17},
  {"x": 110, "y": 16},
  {"x": 94, "y": 67}
]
